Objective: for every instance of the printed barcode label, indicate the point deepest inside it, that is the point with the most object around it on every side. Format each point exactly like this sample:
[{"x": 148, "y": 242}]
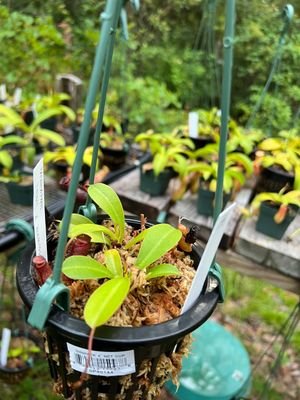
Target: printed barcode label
[{"x": 101, "y": 362}]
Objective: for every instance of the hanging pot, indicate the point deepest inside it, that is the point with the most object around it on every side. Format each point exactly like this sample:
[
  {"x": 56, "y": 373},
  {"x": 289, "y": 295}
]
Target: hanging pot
[
  {"x": 266, "y": 224},
  {"x": 121, "y": 355},
  {"x": 205, "y": 201}
]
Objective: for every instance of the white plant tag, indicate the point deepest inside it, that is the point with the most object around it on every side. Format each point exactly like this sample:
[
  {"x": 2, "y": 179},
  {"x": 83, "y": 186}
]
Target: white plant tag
[
  {"x": 5, "y": 341},
  {"x": 193, "y": 124},
  {"x": 102, "y": 363},
  {"x": 17, "y": 96},
  {"x": 39, "y": 219},
  {"x": 208, "y": 256},
  {"x": 3, "y": 92}
]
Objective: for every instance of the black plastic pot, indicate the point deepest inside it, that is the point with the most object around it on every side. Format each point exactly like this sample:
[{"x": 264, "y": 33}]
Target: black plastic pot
[
  {"x": 113, "y": 158},
  {"x": 15, "y": 375},
  {"x": 155, "y": 185},
  {"x": 148, "y": 343},
  {"x": 266, "y": 224},
  {"x": 205, "y": 202},
  {"x": 202, "y": 141},
  {"x": 20, "y": 193},
  {"x": 274, "y": 179}
]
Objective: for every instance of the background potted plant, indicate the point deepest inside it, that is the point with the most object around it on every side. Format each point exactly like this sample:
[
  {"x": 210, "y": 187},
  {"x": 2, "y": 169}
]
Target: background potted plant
[
  {"x": 278, "y": 162},
  {"x": 201, "y": 176},
  {"x": 168, "y": 158},
  {"x": 23, "y": 348},
  {"x": 113, "y": 143},
  {"x": 121, "y": 274},
  {"x": 276, "y": 211}
]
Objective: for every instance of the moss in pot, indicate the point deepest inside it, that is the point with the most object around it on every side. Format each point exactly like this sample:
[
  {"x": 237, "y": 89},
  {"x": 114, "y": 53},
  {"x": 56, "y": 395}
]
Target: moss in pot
[{"x": 133, "y": 279}]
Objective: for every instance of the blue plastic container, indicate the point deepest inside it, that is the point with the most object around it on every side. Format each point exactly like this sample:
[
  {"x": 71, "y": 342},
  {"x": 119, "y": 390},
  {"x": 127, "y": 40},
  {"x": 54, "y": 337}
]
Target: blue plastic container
[{"x": 218, "y": 367}]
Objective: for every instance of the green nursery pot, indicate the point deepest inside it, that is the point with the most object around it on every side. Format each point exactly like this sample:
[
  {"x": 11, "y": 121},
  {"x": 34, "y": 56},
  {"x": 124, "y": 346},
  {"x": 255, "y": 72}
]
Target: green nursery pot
[
  {"x": 205, "y": 202},
  {"x": 20, "y": 193},
  {"x": 265, "y": 223},
  {"x": 155, "y": 185}
]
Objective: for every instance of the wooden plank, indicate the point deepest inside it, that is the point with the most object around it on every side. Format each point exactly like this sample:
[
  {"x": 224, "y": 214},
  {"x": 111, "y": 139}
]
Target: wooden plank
[
  {"x": 187, "y": 208},
  {"x": 136, "y": 201},
  {"x": 281, "y": 255},
  {"x": 241, "y": 264}
]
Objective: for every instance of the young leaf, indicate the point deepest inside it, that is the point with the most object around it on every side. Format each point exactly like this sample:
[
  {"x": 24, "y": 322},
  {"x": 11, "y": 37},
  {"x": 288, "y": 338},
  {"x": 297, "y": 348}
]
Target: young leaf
[
  {"x": 162, "y": 270},
  {"x": 90, "y": 230},
  {"x": 107, "y": 199},
  {"x": 105, "y": 301},
  {"x": 82, "y": 267},
  {"x": 136, "y": 239},
  {"x": 158, "y": 240},
  {"x": 113, "y": 262}
]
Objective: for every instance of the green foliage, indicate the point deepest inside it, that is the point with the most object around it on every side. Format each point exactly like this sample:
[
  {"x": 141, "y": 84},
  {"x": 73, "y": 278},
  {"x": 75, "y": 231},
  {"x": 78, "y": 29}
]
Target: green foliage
[
  {"x": 34, "y": 42},
  {"x": 156, "y": 241},
  {"x": 105, "y": 301}
]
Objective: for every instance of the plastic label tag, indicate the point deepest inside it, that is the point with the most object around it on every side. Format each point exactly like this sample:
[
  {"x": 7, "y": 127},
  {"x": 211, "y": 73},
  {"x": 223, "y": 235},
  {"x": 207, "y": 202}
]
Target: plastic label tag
[
  {"x": 39, "y": 218},
  {"x": 5, "y": 341},
  {"x": 102, "y": 363},
  {"x": 208, "y": 256},
  {"x": 193, "y": 124},
  {"x": 3, "y": 92}
]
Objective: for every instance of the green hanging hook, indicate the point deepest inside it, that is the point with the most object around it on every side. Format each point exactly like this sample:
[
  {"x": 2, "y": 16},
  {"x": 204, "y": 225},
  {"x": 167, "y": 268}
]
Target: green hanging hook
[{"x": 52, "y": 290}]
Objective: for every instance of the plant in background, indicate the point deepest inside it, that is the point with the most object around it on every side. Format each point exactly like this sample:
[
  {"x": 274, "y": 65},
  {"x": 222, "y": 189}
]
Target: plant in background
[
  {"x": 9, "y": 117},
  {"x": 204, "y": 173},
  {"x": 281, "y": 201},
  {"x": 281, "y": 153},
  {"x": 9, "y": 145},
  {"x": 241, "y": 138},
  {"x": 167, "y": 150}
]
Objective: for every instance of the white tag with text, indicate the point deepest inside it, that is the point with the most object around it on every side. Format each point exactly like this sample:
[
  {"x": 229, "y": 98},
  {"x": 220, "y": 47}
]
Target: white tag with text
[
  {"x": 39, "y": 219},
  {"x": 102, "y": 363}
]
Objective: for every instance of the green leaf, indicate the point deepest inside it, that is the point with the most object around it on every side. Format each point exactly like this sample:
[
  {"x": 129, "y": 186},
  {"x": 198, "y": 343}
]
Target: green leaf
[
  {"x": 105, "y": 301},
  {"x": 113, "y": 262},
  {"x": 83, "y": 267},
  {"x": 158, "y": 241},
  {"x": 162, "y": 270},
  {"x": 49, "y": 136},
  {"x": 92, "y": 230},
  {"x": 107, "y": 199},
  {"x": 43, "y": 116},
  {"x": 136, "y": 239},
  {"x": 6, "y": 159},
  {"x": 160, "y": 162}
]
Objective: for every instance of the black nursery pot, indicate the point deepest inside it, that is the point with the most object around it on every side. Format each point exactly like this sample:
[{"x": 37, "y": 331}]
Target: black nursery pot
[
  {"x": 15, "y": 375},
  {"x": 274, "y": 179},
  {"x": 205, "y": 202},
  {"x": 140, "y": 344},
  {"x": 19, "y": 193},
  {"x": 265, "y": 223},
  {"x": 113, "y": 158}
]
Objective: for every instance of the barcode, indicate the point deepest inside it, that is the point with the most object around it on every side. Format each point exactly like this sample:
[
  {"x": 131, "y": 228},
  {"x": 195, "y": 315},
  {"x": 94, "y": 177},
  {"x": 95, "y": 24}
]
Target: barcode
[{"x": 100, "y": 363}]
